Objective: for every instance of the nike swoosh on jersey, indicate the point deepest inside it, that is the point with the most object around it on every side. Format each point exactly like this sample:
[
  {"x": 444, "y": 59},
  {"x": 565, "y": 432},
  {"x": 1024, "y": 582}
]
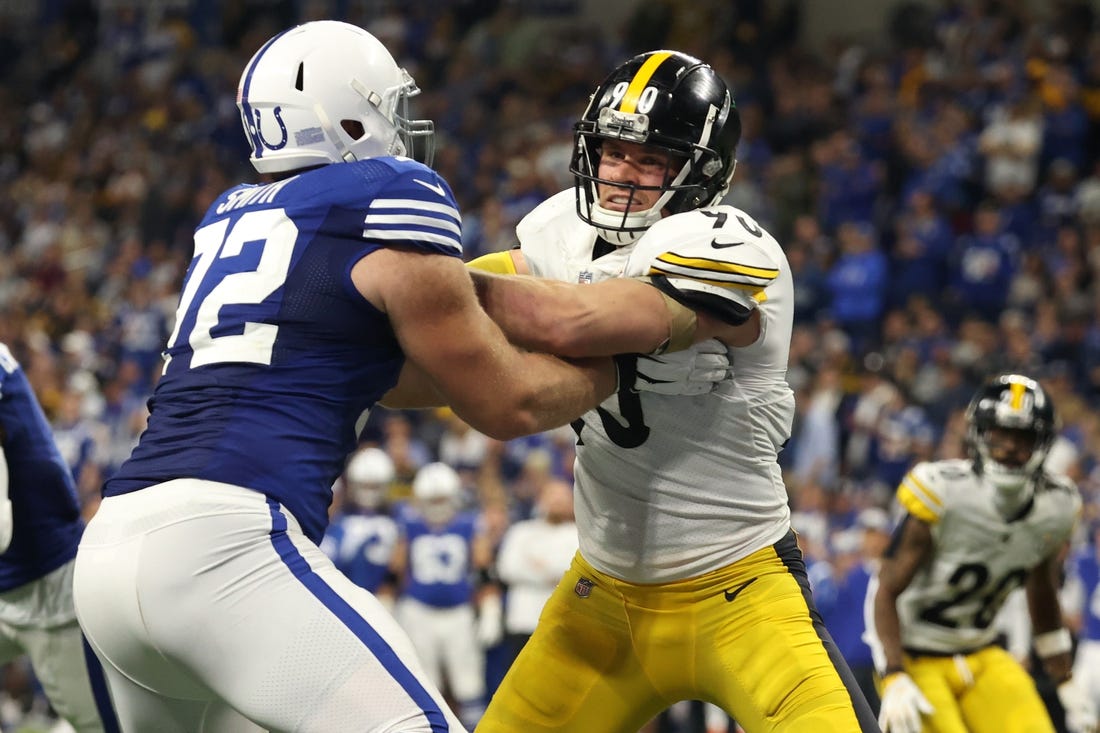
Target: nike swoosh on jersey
[
  {"x": 431, "y": 186},
  {"x": 731, "y": 594},
  {"x": 723, "y": 245}
]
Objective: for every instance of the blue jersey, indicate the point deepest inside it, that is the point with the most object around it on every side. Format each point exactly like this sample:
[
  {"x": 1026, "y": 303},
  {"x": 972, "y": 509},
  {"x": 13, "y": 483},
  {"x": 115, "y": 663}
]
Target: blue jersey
[
  {"x": 45, "y": 510},
  {"x": 275, "y": 356},
  {"x": 76, "y": 443},
  {"x": 439, "y": 569},
  {"x": 1085, "y": 566},
  {"x": 361, "y": 547}
]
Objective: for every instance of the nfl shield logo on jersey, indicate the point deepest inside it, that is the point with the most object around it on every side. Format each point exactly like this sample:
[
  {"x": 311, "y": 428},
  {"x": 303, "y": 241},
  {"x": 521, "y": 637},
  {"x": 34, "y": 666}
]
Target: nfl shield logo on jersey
[
  {"x": 585, "y": 278},
  {"x": 583, "y": 588}
]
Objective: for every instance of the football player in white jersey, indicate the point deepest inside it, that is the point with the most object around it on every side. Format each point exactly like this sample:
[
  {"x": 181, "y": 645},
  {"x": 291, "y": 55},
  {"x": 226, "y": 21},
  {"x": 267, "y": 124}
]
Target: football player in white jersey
[
  {"x": 974, "y": 530},
  {"x": 688, "y": 583},
  {"x": 199, "y": 582}
]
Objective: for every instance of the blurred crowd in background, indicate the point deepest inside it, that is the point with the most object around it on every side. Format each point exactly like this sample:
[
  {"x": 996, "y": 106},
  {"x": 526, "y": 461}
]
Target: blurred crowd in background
[{"x": 936, "y": 186}]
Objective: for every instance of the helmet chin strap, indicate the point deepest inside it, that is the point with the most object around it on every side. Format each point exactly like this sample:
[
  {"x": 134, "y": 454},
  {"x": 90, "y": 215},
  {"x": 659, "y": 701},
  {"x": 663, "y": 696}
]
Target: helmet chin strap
[{"x": 612, "y": 220}]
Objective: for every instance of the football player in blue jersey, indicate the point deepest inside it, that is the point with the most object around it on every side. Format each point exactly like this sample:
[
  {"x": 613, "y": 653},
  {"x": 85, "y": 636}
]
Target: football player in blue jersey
[
  {"x": 361, "y": 538},
  {"x": 443, "y": 552},
  {"x": 199, "y": 582},
  {"x": 40, "y": 526}
]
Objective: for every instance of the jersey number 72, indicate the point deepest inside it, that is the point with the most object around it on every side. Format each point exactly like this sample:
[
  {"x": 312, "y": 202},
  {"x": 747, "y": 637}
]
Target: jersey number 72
[{"x": 225, "y": 271}]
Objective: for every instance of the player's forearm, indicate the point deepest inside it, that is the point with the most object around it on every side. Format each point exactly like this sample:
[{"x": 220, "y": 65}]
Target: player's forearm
[
  {"x": 612, "y": 317},
  {"x": 888, "y": 629},
  {"x": 549, "y": 392},
  {"x": 1052, "y": 641},
  {"x": 1042, "y": 598}
]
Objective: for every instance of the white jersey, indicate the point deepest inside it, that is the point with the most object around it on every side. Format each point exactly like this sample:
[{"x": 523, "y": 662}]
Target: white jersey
[
  {"x": 978, "y": 558},
  {"x": 671, "y": 487}
]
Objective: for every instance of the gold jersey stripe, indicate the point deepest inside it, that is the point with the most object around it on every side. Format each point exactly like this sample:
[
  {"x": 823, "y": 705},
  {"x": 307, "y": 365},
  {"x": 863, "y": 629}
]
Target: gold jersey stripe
[
  {"x": 756, "y": 291},
  {"x": 703, "y": 263},
  {"x": 923, "y": 490},
  {"x": 915, "y": 506},
  {"x": 640, "y": 80}
]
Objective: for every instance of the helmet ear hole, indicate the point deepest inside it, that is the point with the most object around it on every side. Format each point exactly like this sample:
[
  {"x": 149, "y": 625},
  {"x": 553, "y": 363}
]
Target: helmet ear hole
[
  {"x": 299, "y": 81},
  {"x": 354, "y": 128}
]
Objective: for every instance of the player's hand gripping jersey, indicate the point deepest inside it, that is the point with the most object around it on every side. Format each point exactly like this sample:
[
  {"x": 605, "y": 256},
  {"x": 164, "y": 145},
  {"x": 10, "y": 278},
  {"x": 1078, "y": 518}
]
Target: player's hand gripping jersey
[
  {"x": 268, "y": 309},
  {"x": 978, "y": 557},
  {"x": 697, "y": 475}
]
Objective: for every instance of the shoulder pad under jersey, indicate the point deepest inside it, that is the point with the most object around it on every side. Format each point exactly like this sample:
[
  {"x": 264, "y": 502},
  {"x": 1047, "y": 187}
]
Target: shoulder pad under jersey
[
  {"x": 717, "y": 259},
  {"x": 926, "y": 490},
  {"x": 552, "y": 231},
  {"x": 416, "y": 208}
]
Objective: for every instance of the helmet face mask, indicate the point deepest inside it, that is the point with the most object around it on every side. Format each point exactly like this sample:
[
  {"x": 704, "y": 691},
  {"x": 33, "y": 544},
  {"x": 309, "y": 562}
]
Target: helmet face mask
[
  {"x": 673, "y": 104},
  {"x": 327, "y": 92},
  {"x": 1012, "y": 425}
]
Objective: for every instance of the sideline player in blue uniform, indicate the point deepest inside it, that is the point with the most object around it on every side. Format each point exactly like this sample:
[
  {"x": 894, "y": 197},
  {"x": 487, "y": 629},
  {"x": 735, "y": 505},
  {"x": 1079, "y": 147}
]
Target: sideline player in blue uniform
[
  {"x": 443, "y": 549},
  {"x": 199, "y": 582},
  {"x": 362, "y": 536},
  {"x": 40, "y": 526}
]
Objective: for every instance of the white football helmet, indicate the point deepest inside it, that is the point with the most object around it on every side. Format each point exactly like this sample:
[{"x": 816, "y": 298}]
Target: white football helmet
[
  {"x": 437, "y": 489},
  {"x": 327, "y": 92},
  {"x": 368, "y": 476}
]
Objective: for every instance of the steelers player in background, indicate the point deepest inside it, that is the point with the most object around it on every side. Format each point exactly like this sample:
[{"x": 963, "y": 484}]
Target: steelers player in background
[
  {"x": 974, "y": 530},
  {"x": 689, "y": 583}
]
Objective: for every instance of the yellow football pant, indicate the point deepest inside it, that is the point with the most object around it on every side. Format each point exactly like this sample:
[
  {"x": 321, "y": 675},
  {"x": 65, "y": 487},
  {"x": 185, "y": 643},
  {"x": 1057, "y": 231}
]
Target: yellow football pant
[
  {"x": 984, "y": 692},
  {"x": 609, "y": 655}
]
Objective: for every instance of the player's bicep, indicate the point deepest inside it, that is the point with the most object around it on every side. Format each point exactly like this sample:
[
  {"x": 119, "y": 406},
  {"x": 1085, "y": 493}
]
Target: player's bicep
[
  {"x": 435, "y": 315},
  {"x": 909, "y": 549}
]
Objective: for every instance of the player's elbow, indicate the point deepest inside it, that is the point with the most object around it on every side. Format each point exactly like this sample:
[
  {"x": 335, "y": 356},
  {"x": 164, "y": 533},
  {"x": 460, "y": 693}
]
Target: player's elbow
[
  {"x": 513, "y": 413},
  {"x": 514, "y": 423}
]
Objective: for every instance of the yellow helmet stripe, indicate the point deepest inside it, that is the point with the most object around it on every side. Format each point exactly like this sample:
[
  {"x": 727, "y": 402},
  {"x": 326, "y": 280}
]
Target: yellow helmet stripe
[
  {"x": 1018, "y": 391},
  {"x": 640, "y": 80}
]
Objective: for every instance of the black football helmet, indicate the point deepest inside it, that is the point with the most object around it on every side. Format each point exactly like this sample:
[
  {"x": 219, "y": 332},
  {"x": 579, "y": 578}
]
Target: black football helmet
[
  {"x": 1014, "y": 402},
  {"x": 673, "y": 102}
]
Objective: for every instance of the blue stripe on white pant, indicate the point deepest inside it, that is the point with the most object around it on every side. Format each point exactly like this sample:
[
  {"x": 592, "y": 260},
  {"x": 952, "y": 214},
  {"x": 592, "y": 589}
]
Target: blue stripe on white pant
[{"x": 352, "y": 620}]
